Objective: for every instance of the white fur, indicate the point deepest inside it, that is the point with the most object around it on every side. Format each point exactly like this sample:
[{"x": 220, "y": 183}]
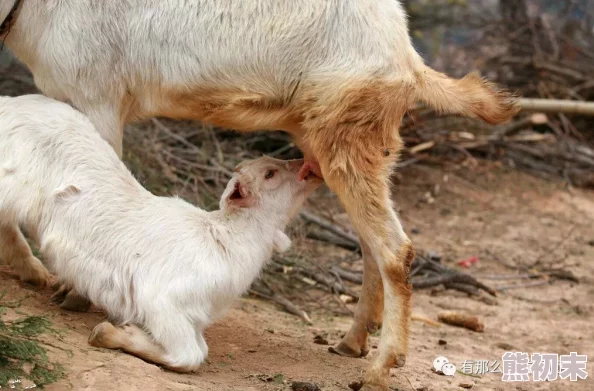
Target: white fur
[
  {"x": 118, "y": 61},
  {"x": 156, "y": 262}
]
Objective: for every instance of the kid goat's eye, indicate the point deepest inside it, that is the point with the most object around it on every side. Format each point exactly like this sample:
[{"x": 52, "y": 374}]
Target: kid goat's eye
[{"x": 269, "y": 174}]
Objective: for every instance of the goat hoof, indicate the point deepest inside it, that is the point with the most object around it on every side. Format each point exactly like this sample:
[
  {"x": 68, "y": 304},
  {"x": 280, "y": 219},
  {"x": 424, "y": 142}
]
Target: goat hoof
[
  {"x": 36, "y": 274},
  {"x": 400, "y": 361},
  {"x": 75, "y": 302},
  {"x": 342, "y": 349},
  {"x": 68, "y": 299},
  {"x": 60, "y": 293},
  {"x": 103, "y": 336}
]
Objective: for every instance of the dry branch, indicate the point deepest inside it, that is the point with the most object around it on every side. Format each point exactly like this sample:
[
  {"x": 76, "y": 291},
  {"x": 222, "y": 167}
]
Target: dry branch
[
  {"x": 348, "y": 275},
  {"x": 521, "y": 124},
  {"x": 461, "y": 320},
  {"x": 557, "y": 106},
  {"x": 312, "y": 218},
  {"x": 285, "y": 303},
  {"x": 327, "y": 237}
]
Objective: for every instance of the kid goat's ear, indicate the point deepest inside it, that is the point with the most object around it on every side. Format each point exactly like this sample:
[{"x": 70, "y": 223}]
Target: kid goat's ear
[{"x": 236, "y": 196}]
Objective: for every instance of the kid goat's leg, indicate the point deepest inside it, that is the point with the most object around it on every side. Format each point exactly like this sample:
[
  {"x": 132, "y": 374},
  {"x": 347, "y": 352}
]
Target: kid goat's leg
[
  {"x": 134, "y": 340},
  {"x": 15, "y": 251},
  {"x": 130, "y": 338},
  {"x": 369, "y": 311}
]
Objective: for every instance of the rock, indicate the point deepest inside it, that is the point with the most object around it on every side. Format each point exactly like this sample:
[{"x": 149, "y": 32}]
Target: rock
[
  {"x": 304, "y": 386},
  {"x": 320, "y": 340},
  {"x": 505, "y": 346}
]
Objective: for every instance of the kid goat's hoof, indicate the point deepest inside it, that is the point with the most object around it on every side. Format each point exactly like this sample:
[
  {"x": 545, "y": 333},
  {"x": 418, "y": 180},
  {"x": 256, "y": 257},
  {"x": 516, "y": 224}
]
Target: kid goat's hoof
[
  {"x": 36, "y": 274},
  {"x": 104, "y": 336},
  {"x": 75, "y": 302},
  {"x": 69, "y": 299}
]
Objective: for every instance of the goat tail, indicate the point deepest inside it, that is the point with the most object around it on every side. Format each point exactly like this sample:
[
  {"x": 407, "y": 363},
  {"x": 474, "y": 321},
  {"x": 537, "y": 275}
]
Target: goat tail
[{"x": 471, "y": 96}]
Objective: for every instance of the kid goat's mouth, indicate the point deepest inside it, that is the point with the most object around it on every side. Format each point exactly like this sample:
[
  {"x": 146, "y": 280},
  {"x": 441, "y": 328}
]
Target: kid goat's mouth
[{"x": 310, "y": 171}]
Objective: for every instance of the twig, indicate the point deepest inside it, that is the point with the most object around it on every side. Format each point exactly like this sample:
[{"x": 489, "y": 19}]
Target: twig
[
  {"x": 348, "y": 275},
  {"x": 425, "y": 320},
  {"x": 451, "y": 278},
  {"x": 556, "y": 246},
  {"x": 177, "y": 137},
  {"x": 459, "y": 319},
  {"x": 311, "y": 218},
  {"x": 287, "y": 305},
  {"x": 409, "y": 382},
  {"x": 503, "y": 277},
  {"x": 421, "y": 147},
  {"x": 469, "y": 289},
  {"x": 329, "y": 238},
  {"x": 334, "y": 286},
  {"x": 525, "y": 285},
  {"x": 522, "y": 123},
  {"x": 557, "y": 106},
  {"x": 281, "y": 150}
]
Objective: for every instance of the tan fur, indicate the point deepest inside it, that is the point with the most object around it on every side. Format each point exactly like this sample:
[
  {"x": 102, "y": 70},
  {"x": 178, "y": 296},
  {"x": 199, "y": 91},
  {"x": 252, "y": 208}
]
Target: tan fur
[
  {"x": 471, "y": 96},
  {"x": 131, "y": 339},
  {"x": 349, "y": 135},
  {"x": 15, "y": 251},
  {"x": 232, "y": 109}
]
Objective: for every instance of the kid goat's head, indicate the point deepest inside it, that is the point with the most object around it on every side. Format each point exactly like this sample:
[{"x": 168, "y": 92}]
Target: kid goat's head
[{"x": 269, "y": 185}]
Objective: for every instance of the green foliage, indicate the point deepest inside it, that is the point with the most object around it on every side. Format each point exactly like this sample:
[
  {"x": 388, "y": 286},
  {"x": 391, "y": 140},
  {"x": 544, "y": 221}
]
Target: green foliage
[{"x": 22, "y": 355}]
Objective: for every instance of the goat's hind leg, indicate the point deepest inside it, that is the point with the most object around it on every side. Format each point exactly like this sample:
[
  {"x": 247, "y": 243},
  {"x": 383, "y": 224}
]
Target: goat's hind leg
[
  {"x": 369, "y": 205},
  {"x": 355, "y": 139},
  {"x": 369, "y": 311},
  {"x": 15, "y": 251},
  {"x": 69, "y": 299}
]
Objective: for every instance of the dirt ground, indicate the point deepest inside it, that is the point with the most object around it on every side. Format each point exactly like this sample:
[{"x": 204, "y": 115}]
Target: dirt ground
[{"x": 499, "y": 215}]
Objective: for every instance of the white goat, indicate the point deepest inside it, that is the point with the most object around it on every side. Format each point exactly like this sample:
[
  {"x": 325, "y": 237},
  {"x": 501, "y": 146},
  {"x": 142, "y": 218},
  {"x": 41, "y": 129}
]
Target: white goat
[
  {"x": 337, "y": 74},
  {"x": 152, "y": 263}
]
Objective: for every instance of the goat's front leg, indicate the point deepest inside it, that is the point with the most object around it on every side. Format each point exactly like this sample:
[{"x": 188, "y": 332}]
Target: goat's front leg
[
  {"x": 369, "y": 311},
  {"x": 108, "y": 121},
  {"x": 170, "y": 340},
  {"x": 131, "y": 339},
  {"x": 15, "y": 251}
]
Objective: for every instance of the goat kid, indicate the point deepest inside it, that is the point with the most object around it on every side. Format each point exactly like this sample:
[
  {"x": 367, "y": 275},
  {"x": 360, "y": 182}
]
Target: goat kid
[
  {"x": 338, "y": 75},
  {"x": 161, "y": 269}
]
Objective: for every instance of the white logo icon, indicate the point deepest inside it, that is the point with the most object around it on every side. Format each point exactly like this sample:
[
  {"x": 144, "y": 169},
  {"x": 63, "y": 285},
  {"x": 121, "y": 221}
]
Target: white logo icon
[
  {"x": 442, "y": 365},
  {"x": 439, "y": 362},
  {"x": 448, "y": 369}
]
